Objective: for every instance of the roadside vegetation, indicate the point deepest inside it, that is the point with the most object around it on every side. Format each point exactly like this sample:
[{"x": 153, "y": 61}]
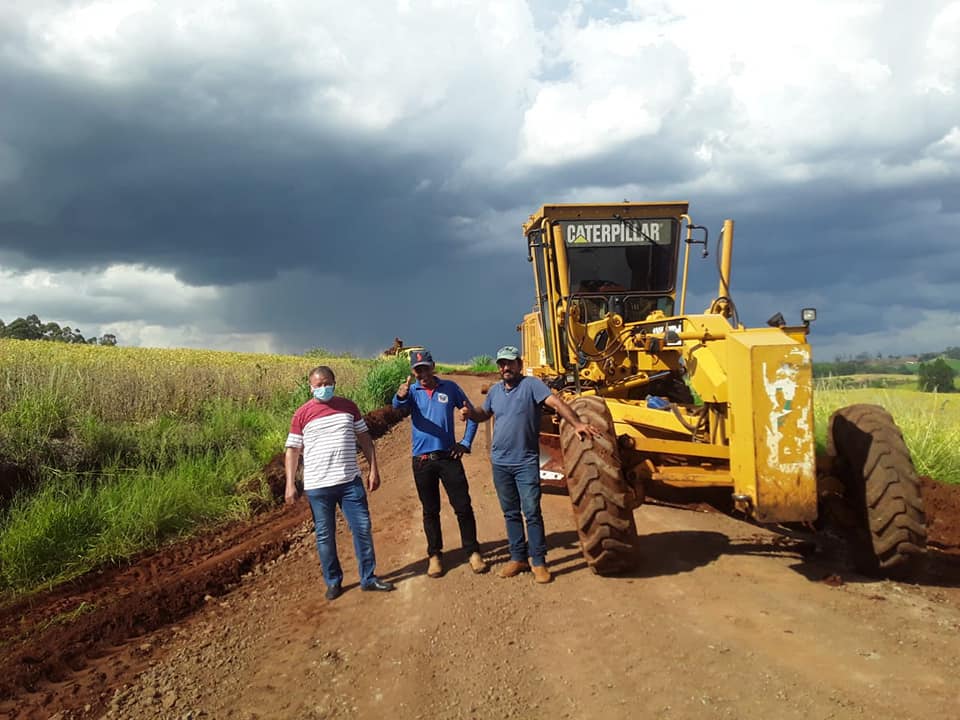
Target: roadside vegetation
[
  {"x": 930, "y": 423},
  {"x": 482, "y": 363},
  {"x": 116, "y": 450},
  {"x": 478, "y": 364}
]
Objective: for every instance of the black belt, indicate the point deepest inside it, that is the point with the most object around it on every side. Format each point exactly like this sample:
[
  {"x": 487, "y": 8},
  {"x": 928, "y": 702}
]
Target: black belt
[{"x": 436, "y": 455}]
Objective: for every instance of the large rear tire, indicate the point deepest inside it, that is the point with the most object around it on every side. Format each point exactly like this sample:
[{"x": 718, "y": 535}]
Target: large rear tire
[
  {"x": 882, "y": 489},
  {"x": 602, "y": 502}
]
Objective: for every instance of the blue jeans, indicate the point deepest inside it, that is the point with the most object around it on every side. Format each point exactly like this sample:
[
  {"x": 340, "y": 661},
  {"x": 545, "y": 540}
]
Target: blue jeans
[
  {"x": 352, "y": 499},
  {"x": 518, "y": 489}
]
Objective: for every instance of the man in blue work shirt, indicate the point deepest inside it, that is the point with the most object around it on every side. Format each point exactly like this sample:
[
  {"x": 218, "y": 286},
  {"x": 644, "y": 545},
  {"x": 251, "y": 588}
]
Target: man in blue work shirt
[
  {"x": 515, "y": 455},
  {"x": 430, "y": 401}
]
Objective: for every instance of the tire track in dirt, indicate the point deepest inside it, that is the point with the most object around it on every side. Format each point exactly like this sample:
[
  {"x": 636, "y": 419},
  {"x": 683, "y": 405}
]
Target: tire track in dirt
[{"x": 49, "y": 640}]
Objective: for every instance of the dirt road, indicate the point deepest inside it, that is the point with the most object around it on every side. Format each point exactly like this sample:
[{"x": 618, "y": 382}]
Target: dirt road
[{"x": 722, "y": 620}]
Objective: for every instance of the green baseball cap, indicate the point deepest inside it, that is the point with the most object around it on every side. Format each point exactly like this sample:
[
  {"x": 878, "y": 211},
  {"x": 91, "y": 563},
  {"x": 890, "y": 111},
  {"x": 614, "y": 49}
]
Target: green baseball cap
[{"x": 508, "y": 352}]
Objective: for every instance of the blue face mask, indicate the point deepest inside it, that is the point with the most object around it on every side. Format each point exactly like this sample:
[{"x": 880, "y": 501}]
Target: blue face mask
[{"x": 323, "y": 393}]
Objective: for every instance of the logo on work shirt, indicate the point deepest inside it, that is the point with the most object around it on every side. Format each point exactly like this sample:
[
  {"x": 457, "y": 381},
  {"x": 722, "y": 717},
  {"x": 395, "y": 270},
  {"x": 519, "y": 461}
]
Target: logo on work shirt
[{"x": 442, "y": 397}]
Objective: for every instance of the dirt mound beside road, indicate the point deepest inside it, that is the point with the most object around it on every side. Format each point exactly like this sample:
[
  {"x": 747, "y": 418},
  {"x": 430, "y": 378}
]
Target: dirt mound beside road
[
  {"x": 79, "y": 632},
  {"x": 941, "y": 504}
]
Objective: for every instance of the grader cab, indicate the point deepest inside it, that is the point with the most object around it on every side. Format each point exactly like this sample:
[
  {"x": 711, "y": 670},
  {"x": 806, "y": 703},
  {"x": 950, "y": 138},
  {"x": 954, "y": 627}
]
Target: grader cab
[{"x": 609, "y": 331}]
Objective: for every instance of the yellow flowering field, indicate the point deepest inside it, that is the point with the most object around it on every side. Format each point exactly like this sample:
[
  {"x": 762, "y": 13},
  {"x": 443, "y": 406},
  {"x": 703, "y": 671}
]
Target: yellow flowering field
[{"x": 132, "y": 384}]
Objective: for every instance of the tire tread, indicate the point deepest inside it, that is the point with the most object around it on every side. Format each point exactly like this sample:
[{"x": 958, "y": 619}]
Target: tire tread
[
  {"x": 598, "y": 493},
  {"x": 882, "y": 488}
]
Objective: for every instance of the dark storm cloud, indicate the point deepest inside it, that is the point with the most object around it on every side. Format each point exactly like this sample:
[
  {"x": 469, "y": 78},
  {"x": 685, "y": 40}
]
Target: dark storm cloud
[
  {"x": 459, "y": 309},
  {"x": 343, "y": 234},
  {"x": 109, "y": 178},
  {"x": 216, "y": 205}
]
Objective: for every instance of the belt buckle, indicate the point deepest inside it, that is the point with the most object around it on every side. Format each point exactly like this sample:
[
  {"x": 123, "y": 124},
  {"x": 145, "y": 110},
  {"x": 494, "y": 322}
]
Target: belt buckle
[{"x": 434, "y": 455}]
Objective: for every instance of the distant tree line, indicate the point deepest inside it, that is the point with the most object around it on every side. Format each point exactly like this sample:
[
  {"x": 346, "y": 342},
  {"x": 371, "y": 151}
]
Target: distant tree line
[
  {"x": 936, "y": 376},
  {"x": 865, "y": 367},
  {"x": 934, "y": 371},
  {"x": 32, "y": 328}
]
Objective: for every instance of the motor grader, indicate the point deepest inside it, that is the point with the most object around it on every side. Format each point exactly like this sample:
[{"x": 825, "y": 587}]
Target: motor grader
[{"x": 690, "y": 401}]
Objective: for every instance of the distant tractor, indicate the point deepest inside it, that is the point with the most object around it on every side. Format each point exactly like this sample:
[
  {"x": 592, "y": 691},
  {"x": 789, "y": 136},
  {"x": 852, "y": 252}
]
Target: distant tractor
[
  {"x": 398, "y": 349},
  {"x": 694, "y": 400}
]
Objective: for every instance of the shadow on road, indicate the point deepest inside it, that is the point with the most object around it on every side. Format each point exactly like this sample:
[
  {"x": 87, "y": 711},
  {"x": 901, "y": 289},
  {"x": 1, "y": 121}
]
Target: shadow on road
[
  {"x": 818, "y": 558},
  {"x": 831, "y": 564},
  {"x": 674, "y": 552}
]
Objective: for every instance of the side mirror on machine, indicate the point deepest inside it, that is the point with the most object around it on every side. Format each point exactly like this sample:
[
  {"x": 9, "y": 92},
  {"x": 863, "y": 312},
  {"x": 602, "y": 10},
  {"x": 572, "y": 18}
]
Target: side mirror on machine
[{"x": 777, "y": 320}]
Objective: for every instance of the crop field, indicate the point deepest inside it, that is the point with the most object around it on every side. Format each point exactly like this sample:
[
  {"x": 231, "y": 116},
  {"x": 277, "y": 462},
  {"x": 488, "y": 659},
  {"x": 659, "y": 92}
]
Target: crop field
[
  {"x": 133, "y": 384},
  {"x": 930, "y": 423},
  {"x": 109, "y": 450}
]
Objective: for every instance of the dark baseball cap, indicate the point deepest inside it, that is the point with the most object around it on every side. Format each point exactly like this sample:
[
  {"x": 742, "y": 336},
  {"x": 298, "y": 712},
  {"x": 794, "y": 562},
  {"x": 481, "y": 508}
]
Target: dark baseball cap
[
  {"x": 420, "y": 357},
  {"x": 508, "y": 352}
]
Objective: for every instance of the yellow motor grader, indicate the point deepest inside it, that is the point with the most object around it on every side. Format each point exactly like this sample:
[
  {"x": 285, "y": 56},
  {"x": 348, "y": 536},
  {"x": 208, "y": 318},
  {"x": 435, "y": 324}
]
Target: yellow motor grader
[{"x": 694, "y": 400}]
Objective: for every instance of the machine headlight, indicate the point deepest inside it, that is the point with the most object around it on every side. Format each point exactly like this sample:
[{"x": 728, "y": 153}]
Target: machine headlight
[{"x": 808, "y": 315}]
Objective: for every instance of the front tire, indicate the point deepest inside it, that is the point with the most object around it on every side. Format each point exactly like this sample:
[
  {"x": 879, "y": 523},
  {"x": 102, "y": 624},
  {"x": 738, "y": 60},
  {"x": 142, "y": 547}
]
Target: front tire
[
  {"x": 881, "y": 488},
  {"x": 602, "y": 502}
]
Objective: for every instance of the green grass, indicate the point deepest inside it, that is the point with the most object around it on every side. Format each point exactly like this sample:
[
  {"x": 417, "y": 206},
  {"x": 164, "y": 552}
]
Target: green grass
[
  {"x": 132, "y": 449},
  {"x": 115, "y": 489},
  {"x": 380, "y": 383},
  {"x": 113, "y": 486},
  {"x": 118, "y": 477},
  {"x": 30, "y": 423},
  {"x": 930, "y": 423},
  {"x": 482, "y": 363},
  {"x": 74, "y": 522},
  {"x": 132, "y": 486}
]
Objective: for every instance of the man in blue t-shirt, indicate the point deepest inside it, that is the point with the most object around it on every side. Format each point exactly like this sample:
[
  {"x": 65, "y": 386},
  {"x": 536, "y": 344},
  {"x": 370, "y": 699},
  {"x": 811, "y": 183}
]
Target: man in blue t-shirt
[
  {"x": 430, "y": 402},
  {"x": 515, "y": 454}
]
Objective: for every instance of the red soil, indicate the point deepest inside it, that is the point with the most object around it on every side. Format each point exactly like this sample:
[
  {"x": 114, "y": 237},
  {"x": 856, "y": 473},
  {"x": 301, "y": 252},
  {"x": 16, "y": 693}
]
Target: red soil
[
  {"x": 942, "y": 505},
  {"x": 71, "y": 647}
]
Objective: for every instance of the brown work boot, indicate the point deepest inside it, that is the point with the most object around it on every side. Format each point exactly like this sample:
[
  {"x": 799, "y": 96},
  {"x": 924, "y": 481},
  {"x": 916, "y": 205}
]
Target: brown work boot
[
  {"x": 541, "y": 574},
  {"x": 512, "y": 568},
  {"x": 434, "y": 567},
  {"x": 477, "y": 563}
]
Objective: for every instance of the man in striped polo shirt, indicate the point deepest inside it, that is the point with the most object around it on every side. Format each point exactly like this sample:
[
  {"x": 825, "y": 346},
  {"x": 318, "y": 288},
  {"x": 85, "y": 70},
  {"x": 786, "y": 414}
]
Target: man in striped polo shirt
[{"x": 326, "y": 430}]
